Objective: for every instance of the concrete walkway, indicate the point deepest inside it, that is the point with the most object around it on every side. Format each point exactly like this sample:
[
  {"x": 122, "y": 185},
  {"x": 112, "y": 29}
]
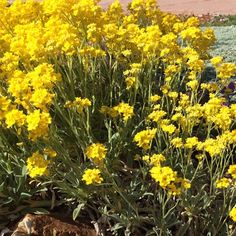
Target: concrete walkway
[{"x": 192, "y": 6}]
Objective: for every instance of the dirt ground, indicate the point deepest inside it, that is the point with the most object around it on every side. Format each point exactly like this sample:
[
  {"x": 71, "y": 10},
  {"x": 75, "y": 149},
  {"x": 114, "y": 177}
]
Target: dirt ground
[{"x": 192, "y": 6}]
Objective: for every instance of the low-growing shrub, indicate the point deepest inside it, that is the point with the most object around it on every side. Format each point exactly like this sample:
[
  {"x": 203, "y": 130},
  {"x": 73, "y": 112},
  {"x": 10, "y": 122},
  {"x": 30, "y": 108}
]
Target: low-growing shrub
[{"x": 112, "y": 111}]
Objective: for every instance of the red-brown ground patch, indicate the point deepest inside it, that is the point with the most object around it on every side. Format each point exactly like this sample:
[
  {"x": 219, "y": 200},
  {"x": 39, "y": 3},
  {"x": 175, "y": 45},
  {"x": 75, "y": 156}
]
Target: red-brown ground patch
[{"x": 196, "y": 7}]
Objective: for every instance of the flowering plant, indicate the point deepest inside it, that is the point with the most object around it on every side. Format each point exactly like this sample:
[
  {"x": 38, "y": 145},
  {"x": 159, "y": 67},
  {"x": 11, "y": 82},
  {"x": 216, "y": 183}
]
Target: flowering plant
[{"x": 109, "y": 108}]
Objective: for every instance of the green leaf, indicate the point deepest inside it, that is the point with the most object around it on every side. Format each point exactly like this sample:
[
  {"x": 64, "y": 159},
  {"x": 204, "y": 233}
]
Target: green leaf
[
  {"x": 77, "y": 210},
  {"x": 26, "y": 195},
  {"x": 24, "y": 171}
]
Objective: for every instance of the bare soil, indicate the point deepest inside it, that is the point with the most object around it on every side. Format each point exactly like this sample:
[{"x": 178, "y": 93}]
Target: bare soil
[{"x": 196, "y": 7}]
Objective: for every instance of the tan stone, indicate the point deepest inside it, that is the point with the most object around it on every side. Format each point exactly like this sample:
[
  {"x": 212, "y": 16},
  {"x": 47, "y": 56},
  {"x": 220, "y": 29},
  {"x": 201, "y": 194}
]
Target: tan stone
[{"x": 44, "y": 225}]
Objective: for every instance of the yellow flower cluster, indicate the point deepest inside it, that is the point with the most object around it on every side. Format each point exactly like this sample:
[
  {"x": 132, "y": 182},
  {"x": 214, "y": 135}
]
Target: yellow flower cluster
[
  {"x": 92, "y": 176},
  {"x": 132, "y": 74},
  {"x": 232, "y": 171},
  {"x": 96, "y": 152},
  {"x": 156, "y": 115},
  {"x": 147, "y": 67},
  {"x": 37, "y": 165},
  {"x": 79, "y": 104},
  {"x": 36, "y": 30},
  {"x": 123, "y": 109},
  {"x": 223, "y": 183},
  {"x": 38, "y": 123},
  {"x": 144, "y": 138},
  {"x": 226, "y": 182},
  {"x": 165, "y": 176},
  {"x": 232, "y": 214},
  {"x": 155, "y": 159},
  {"x": 31, "y": 98},
  {"x": 168, "y": 180}
]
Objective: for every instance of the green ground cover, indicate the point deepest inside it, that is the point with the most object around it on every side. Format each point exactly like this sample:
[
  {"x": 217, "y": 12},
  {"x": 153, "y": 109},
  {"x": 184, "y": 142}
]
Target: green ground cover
[{"x": 226, "y": 42}]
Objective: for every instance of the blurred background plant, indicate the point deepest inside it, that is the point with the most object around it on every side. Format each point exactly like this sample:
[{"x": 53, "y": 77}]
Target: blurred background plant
[{"x": 112, "y": 114}]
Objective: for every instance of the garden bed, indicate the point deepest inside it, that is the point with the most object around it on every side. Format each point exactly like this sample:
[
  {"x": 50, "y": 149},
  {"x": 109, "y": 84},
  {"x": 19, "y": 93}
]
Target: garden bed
[{"x": 114, "y": 118}]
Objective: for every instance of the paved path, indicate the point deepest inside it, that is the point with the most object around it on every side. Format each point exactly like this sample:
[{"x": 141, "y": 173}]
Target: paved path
[{"x": 192, "y": 6}]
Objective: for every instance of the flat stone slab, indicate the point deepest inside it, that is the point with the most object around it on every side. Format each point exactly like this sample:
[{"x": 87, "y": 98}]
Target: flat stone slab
[{"x": 44, "y": 225}]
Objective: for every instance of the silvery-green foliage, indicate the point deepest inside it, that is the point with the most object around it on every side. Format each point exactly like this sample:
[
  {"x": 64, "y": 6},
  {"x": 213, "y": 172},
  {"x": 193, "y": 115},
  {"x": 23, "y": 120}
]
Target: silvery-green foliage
[{"x": 226, "y": 42}]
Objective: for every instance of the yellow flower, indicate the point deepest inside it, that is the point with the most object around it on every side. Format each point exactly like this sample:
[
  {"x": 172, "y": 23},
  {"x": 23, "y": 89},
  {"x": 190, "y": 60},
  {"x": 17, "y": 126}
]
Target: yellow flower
[
  {"x": 9, "y": 63},
  {"x": 92, "y": 176},
  {"x": 191, "y": 142},
  {"x": 124, "y": 110},
  {"x": 178, "y": 186},
  {"x": 193, "y": 84},
  {"x": 212, "y": 107},
  {"x": 18, "y": 84},
  {"x": 168, "y": 79},
  {"x": 223, "y": 118},
  {"x": 174, "y": 190},
  {"x": 165, "y": 89},
  {"x": 232, "y": 171},
  {"x": 226, "y": 70},
  {"x": 38, "y": 124},
  {"x": 173, "y": 95},
  {"x": 130, "y": 82},
  {"x": 232, "y": 214},
  {"x": 212, "y": 146},
  {"x": 4, "y": 103},
  {"x": 41, "y": 98},
  {"x": 177, "y": 142},
  {"x": 215, "y": 61},
  {"x": 97, "y": 152},
  {"x": 127, "y": 53},
  {"x": 43, "y": 76},
  {"x": 155, "y": 98},
  {"x": 178, "y": 27},
  {"x": 194, "y": 114},
  {"x": 211, "y": 87},
  {"x": 191, "y": 33},
  {"x": 185, "y": 183},
  {"x": 200, "y": 157},
  {"x": 163, "y": 175},
  {"x": 144, "y": 138},
  {"x": 135, "y": 68},
  {"x": 79, "y": 104},
  {"x": 154, "y": 160},
  {"x": 82, "y": 102},
  {"x": 192, "y": 22},
  {"x": 170, "y": 129},
  {"x": 33, "y": 120},
  {"x": 171, "y": 70},
  {"x": 15, "y": 116},
  {"x": 37, "y": 165},
  {"x": 177, "y": 116},
  {"x": 157, "y": 115},
  {"x": 223, "y": 183},
  {"x": 184, "y": 100}
]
